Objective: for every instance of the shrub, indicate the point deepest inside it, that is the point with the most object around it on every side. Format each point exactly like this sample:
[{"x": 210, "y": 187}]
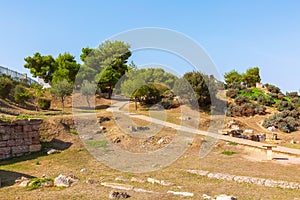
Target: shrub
[
  {"x": 6, "y": 85},
  {"x": 232, "y": 93},
  {"x": 282, "y": 121},
  {"x": 273, "y": 88},
  {"x": 21, "y": 94},
  {"x": 44, "y": 104},
  {"x": 284, "y": 105},
  {"x": 241, "y": 100},
  {"x": 292, "y": 94}
]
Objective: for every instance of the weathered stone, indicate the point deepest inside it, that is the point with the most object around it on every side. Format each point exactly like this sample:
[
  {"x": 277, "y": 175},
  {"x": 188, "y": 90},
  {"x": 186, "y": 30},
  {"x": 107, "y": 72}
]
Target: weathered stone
[
  {"x": 133, "y": 179},
  {"x": 122, "y": 179},
  {"x": 53, "y": 151},
  {"x": 118, "y": 195},
  {"x": 62, "y": 181},
  {"x": 198, "y": 172},
  {"x": 35, "y": 148},
  {"x": 5, "y": 150},
  {"x": 19, "y": 149},
  {"x": 185, "y": 194},
  {"x": 3, "y": 143},
  {"x": 225, "y": 197},
  {"x": 83, "y": 170},
  {"x": 117, "y": 186}
]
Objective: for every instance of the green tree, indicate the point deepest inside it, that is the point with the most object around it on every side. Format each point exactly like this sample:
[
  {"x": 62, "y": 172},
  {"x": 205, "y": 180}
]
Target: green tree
[
  {"x": 21, "y": 94},
  {"x": 233, "y": 77},
  {"x": 37, "y": 92},
  {"x": 105, "y": 64},
  {"x": 138, "y": 77},
  {"x": 62, "y": 90},
  {"x": 147, "y": 94},
  {"x": 6, "y": 85},
  {"x": 88, "y": 89},
  {"x": 85, "y": 53},
  {"x": 203, "y": 86},
  {"x": 251, "y": 77},
  {"x": 41, "y": 66},
  {"x": 67, "y": 68}
]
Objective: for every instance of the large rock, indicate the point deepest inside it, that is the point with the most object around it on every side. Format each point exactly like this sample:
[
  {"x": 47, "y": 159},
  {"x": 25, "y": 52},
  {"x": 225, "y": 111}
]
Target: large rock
[{"x": 62, "y": 181}]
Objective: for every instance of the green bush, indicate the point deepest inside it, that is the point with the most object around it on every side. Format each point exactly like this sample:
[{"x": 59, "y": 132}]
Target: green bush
[
  {"x": 44, "y": 104},
  {"x": 21, "y": 94},
  {"x": 241, "y": 100},
  {"x": 6, "y": 85},
  {"x": 282, "y": 121},
  {"x": 284, "y": 105},
  {"x": 273, "y": 88}
]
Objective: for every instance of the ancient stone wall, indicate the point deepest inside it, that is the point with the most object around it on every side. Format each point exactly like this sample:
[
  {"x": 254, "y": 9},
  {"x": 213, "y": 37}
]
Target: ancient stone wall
[{"x": 19, "y": 137}]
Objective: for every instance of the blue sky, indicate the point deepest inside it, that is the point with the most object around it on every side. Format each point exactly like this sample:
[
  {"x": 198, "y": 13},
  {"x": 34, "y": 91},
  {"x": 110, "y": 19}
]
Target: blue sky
[{"x": 235, "y": 34}]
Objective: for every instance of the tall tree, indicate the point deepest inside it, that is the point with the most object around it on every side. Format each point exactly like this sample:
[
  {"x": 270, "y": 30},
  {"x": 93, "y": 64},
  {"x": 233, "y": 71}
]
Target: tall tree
[
  {"x": 233, "y": 77},
  {"x": 203, "y": 86},
  {"x": 251, "y": 77},
  {"x": 67, "y": 68},
  {"x": 106, "y": 64},
  {"x": 62, "y": 90},
  {"x": 88, "y": 89},
  {"x": 41, "y": 66}
]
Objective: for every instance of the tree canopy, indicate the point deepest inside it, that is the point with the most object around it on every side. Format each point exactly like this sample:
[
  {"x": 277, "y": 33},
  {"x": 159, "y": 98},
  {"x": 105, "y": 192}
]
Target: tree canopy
[
  {"x": 233, "y": 77},
  {"x": 251, "y": 77},
  {"x": 135, "y": 78},
  {"x": 106, "y": 64},
  {"x": 53, "y": 70}
]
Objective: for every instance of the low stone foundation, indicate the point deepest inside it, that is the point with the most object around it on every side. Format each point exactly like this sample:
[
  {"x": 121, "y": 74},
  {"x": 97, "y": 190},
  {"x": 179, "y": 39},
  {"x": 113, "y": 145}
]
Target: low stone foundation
[{"x": 19, "y": 137}]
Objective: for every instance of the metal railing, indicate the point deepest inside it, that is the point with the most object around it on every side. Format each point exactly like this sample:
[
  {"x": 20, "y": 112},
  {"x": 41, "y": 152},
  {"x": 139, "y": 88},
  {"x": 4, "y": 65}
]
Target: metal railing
[{"x": 16, "y": 75}]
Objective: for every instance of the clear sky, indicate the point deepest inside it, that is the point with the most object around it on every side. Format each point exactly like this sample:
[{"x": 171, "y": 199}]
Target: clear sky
[{"x": 236, "y": 34}]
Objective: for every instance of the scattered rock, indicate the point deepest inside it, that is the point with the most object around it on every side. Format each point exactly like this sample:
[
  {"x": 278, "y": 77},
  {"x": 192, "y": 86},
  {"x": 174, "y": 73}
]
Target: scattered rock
[
  {"x": 185, "y": 194},
  {"x": 122, "y": 179},
  {"x": 103, "y": 119},
  {"x": 47, "y": 184},
  {"x": 83, "y": 170},
  {"x": 205, "y": 196},
  {"x": 73, "y": 179},
  {"x": 116, "y": 140},
  {"x": 225, "y": 197},
  {"x": 133, "y": 179},
  {"x": 53, "y": 151},
  {"x": 23, "y": 181},
  {"x": 160, "y": 182},
  {"x": 62, "y": 181},
  {"x": 138, "y": 128},
  {"x": 118, "y": 195},
  {"x": 185, "y": 118}
]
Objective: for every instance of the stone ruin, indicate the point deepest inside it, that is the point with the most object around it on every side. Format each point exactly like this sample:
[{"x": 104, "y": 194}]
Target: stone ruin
[{"x": 19, "y": 137}]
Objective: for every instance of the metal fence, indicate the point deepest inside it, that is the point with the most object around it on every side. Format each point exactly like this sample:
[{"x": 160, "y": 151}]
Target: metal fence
[{"x": 16, "y": 75}]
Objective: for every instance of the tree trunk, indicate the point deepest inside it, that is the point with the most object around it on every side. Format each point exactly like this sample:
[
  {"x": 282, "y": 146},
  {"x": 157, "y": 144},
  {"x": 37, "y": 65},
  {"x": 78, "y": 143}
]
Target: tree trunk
[
  {"x": 135, "y": 102},
  {"x": 110, "y": 92},
  {"x": 63, "y": 104},
  {"x": 87, "y": 100}
]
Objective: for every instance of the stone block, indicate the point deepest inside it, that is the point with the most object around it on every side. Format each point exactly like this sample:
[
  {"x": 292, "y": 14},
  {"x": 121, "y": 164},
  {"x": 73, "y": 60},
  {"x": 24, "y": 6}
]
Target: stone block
[
  {"x": 3, "y": 143},
  {"x": 5, "y": 150},
  {"x": 4, "y": 136},
  {"x": 35, "y": 148},
  {"x": 17, "y": 150},
  {"x": 27, "y": 128}
]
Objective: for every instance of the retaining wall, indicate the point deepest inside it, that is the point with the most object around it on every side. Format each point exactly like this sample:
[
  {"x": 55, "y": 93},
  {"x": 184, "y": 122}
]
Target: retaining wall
[{"x": 19, "y": 137}]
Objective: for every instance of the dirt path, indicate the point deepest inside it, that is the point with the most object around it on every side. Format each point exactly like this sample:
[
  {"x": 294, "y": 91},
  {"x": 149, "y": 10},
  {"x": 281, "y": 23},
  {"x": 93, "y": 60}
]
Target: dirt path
[{"x": 116, "y": 108}]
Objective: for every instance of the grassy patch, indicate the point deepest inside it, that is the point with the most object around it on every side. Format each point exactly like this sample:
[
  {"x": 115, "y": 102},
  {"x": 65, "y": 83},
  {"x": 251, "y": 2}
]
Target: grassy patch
[
  {"x": 74, "y": 132},
  {"x": 36, "y": 183},
  {"x": 233, "y": 143},
  {"x": 96, "y": 143},
  {"x": 228, "y": 153}
]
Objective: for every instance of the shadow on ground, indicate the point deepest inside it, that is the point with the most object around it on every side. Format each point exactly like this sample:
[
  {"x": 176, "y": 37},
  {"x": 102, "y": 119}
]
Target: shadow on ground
[{"x": 7, "y": 178}]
